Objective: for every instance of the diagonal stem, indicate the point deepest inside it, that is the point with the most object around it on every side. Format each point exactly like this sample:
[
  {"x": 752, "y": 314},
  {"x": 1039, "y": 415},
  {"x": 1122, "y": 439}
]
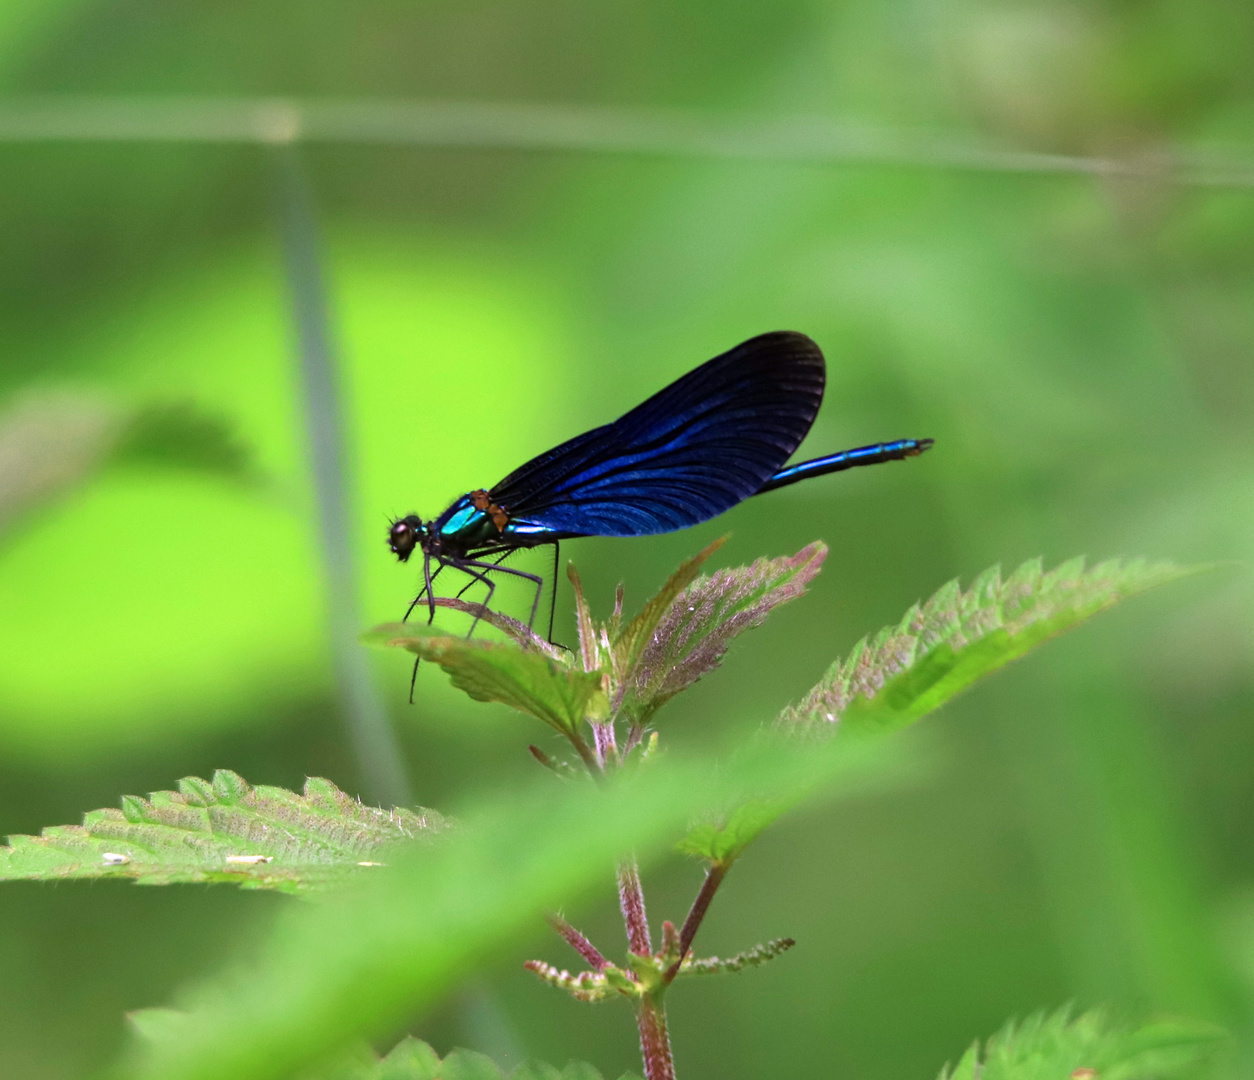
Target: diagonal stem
[
  {"x": 578, "y": 942},
  {"x": 713, "y": 879}
]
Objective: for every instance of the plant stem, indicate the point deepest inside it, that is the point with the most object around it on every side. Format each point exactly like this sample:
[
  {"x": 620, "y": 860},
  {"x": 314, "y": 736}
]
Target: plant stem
[
  {"x": 713, "y": 879},
  {"x": 578, "y": 942},
  {"x": 631, "y": 900},
  {"x": 370, "y": 731},
  {"x": 655, "y": 1042},
  {"x": 606, "y": 749},
  {"x": 586, "y": 754}
]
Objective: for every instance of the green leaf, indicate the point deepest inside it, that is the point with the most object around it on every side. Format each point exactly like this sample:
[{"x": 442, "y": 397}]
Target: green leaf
[
  {"x": 944, "y": 645},
  {"x": 722, "y": 840},
  {"x": 469, "y": 1065},
  {"x": 224, "y": 831},
  {"x": 691, "y": 633},
  {"x": 410, "y": 1059},
  {"x": 363, "y": 960},
  {"x": 525, "y": 679},
  {"x": 1059, "y": 1047}
]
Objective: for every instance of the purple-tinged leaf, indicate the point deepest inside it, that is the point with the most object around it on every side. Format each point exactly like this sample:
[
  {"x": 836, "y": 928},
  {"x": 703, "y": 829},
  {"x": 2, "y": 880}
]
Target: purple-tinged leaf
[
  {"x": 515, "y": 629},
  {"x": 589, "y": 646},
  {"x": 692, "y": 635},
  {"x": 638, "y": 633}
]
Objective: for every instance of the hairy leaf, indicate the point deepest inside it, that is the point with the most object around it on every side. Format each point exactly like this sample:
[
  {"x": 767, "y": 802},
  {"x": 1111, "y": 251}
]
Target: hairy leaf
[
  {"x": 636, "y": 635},
  {"x": 1060, "y": 1047},
  {"x": 224, "y": 831},
  {"x": 515, "y": 629},
  {"x": 942, "y": 646},
  {"x": 693, "y": 631},
  {"x": 589, "y": 644},
  {"x": 525, "y": 679}
]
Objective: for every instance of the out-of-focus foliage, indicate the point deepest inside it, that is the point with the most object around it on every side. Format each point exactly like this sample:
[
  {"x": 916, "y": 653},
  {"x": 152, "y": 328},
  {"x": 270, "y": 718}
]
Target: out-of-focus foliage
[
  {"x": 410, "y": 1059},
  {"x": 224, "y": 831},
  {"x": 1079, "y": 347},
  {"x": 363, "y": 958},
  {"x": 49, "y": 445},
  {"x": 1065, "y": 1047}
]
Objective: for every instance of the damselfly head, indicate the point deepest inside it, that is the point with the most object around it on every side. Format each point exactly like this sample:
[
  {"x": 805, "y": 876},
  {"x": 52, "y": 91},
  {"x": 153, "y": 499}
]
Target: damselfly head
[{"x": 404, "y": 535}]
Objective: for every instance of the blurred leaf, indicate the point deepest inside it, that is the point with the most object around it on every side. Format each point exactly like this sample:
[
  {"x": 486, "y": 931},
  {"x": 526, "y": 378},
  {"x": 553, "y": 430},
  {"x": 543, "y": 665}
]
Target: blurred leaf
[
  {"x": 524, "y": 679},
  {"x": 366, "y": 958},
  {"x": 156, "y": 1023},
  {"x": 182, "y": 434},
  {"x": 224, "y": 831},
  {"x": 690, "y": 633},
  {"x": 52, "y": 443},
  {"x": 48, "y": 445},
  {"x": 409, "y": 1059},
  {"x": 1087, "y": 1047},
  {"x": 944, "y": 645},
  {"x": 724, "y": 840}
]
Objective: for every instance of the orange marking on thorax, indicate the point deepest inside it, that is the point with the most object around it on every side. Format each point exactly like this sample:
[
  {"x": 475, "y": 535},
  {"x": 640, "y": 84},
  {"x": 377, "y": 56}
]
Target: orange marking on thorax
[{"x": 481, "y": 500}]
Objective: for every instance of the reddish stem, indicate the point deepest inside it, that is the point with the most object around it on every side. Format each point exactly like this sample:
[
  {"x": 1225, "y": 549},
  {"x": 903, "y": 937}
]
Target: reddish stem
[
  {"x": 603, "y": 735},
  {"x": 631, "y": 900},
  {"x": 713, "y": 879},
  {"x": 578, "y": 942},
  {"x": 655, "y": 1043}
]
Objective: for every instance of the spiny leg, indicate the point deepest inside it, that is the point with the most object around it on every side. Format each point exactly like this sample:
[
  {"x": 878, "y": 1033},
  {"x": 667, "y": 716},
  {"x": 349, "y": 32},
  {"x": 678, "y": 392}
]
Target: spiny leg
[
  {"x": 428, "y": 577},
  {"x": 466, "y": 567},
  {"x": 535, "y": 579},
  {"x": 498, "y": 562},
  {"x": 426, "y": 573},
  {"x": 414, "y": 603}
]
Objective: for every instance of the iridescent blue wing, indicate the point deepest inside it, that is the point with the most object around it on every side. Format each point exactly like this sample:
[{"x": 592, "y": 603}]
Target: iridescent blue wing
[{"x": 693, "y": 450}]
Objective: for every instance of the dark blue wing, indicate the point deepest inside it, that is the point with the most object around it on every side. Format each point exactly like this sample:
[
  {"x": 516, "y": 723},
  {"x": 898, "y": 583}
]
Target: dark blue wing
[{"x": 693, "y": 450}]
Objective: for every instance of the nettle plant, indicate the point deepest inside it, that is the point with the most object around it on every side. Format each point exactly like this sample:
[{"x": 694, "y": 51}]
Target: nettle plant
[{"x": 407, "y": 900}]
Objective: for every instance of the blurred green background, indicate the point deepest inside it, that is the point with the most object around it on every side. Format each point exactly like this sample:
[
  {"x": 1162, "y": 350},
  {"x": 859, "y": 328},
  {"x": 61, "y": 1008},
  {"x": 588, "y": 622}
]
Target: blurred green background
[{"x": 1080, "y": 348}]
